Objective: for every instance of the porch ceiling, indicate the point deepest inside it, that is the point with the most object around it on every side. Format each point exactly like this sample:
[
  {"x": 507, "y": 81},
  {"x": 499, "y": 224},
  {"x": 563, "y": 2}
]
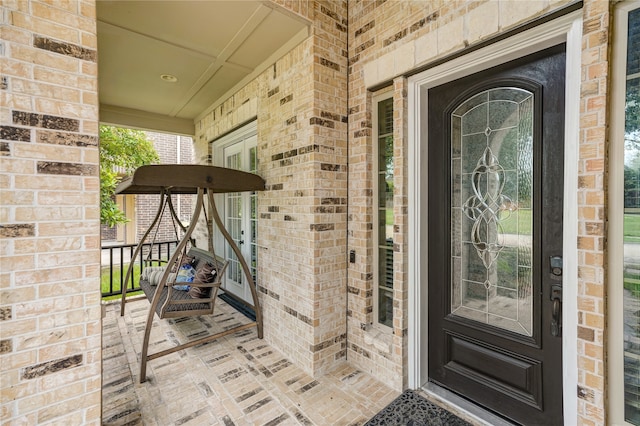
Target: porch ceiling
[{"x": 211, "y": 47}]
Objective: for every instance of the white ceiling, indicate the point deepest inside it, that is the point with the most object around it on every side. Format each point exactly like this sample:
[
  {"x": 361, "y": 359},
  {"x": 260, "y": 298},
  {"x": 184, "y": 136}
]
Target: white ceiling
[{"x": 213, "y": 47}]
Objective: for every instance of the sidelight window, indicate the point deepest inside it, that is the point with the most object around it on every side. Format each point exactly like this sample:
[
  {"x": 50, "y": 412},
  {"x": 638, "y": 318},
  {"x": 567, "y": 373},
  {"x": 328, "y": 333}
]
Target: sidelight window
[
  {"x": 624, "y": 218},
  {"x": 383, "y": 215}
]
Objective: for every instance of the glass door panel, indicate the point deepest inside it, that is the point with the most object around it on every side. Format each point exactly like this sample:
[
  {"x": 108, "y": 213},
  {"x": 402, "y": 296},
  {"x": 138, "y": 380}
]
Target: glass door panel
[
  {"x": 241, "y": 218},
  {"x": 491, "y": 244}
]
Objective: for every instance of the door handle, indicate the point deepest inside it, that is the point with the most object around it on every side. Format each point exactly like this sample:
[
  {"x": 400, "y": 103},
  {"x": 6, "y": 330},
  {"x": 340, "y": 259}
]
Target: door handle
[
  {"x": 556, "y": 319},
  {"x": 555, "y": 264}
]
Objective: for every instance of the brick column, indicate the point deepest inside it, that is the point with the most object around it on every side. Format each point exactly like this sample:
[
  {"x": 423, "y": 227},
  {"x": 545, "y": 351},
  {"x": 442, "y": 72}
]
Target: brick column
[
  {"x": 592, "y": 213},
  {"x": 50, "y": 313}
]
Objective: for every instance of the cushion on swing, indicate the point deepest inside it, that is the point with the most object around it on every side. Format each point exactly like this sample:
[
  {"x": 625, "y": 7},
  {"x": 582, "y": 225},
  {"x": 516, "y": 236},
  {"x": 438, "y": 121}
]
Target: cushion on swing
[
  {"x": 186, "y": 260},
  {"x": 206, "y": 273},
  {"x": 153, "y": 274}
]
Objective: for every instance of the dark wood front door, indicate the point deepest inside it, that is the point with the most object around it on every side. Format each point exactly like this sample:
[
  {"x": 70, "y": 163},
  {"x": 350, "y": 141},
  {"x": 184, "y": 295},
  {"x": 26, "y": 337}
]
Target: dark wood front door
[{"x": 495, "y": 186}]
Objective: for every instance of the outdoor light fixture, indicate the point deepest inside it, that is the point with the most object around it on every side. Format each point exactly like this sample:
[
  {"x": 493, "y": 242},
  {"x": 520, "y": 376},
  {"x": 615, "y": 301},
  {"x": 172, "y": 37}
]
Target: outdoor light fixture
[{"x": 169, "y": 78}]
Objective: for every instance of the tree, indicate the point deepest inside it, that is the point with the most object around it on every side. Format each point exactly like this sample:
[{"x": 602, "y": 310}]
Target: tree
[
  {"x": 121, "y": 152},
  {"x": 632, "y": 145}
]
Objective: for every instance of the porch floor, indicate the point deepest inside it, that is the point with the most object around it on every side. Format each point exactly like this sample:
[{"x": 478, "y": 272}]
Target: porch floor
[{"x": 236, "y": 380}]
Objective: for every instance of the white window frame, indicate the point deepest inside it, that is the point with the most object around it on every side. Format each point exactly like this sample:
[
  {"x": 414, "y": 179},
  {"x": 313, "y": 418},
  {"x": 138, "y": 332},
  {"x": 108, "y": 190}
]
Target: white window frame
[
  {"x": 616, "y": 215},
  {"x": 380, "y": 96}
]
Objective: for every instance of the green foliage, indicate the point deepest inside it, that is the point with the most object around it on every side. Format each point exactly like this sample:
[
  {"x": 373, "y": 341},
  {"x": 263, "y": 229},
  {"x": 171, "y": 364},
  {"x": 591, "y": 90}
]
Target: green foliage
[
  {"x": 121, "y": 151},
  {"x": 632, "y": 108}
]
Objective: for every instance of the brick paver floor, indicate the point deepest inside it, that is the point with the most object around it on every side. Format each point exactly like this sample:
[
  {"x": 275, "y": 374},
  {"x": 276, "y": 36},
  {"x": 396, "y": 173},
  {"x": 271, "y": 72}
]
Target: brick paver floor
[{"x": 235, "y": 380}]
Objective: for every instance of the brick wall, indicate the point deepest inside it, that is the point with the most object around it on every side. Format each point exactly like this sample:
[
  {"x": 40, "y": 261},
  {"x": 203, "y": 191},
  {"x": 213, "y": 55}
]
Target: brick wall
[
  {"x": 592, "y": 198},
  {"x": 172, "y": 149},
  {"x": 300, "y": 106},
  {"x": 50, "y": 313}
]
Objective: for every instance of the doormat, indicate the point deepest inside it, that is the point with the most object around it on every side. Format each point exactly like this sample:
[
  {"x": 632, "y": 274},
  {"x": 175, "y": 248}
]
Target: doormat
[
  {"x": 244, "y": 310},
  {"x": 410, "y": 409}
]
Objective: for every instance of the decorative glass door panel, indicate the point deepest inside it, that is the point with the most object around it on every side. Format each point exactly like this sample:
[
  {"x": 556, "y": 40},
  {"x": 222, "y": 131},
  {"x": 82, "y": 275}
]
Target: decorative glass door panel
[{"x": 491, "y": 181}]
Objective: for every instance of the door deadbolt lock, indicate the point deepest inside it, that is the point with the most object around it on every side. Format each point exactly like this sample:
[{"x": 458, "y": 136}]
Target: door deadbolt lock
[{"x": 555, "y": 262}]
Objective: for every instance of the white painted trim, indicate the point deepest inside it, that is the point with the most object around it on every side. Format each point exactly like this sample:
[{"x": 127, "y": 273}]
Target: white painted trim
[
  {"x": 564, "y": 29},
  {"x": 218, "y": 147},
  {"x": 383, "y": 95},
  {"x": 615, "y": 308},
  {"x": 570, "y": 222}
]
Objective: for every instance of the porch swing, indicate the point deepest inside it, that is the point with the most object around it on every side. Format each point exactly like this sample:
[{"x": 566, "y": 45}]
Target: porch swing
[{"x": 162, "y": 285}]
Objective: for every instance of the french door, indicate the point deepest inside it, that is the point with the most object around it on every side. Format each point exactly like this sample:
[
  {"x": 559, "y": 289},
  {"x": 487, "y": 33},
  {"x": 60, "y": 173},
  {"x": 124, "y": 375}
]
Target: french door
[
  {"x": 495, "y": 198},
  {"x": 240, "y": 217}
]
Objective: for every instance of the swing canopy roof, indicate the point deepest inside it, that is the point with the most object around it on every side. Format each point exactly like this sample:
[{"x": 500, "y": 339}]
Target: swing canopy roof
[{"x": 187, "y": 178}]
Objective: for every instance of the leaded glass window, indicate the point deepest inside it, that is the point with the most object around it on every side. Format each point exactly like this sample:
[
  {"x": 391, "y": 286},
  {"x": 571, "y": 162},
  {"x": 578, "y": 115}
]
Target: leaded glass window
[{"x": 491, "y": 208}]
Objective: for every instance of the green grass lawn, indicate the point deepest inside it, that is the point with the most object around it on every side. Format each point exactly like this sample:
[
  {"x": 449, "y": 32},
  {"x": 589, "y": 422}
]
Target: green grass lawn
[
  {"x": 632, "y": 228},
  {"x": 523, "y": 219},
  {"x": 518, "y": 222},
  {"x": 117, "y": 282},
  {"x": 633, "y": 285}
]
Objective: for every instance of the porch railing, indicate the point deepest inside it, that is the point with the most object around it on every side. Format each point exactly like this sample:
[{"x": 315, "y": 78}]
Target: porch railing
[{"x": 116, "y": 258}]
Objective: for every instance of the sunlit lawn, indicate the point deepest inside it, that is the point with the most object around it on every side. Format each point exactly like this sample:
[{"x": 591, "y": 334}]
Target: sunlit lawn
[
  {"x": 518, "y": 222},
  {"x": 632, "y": 228},
  {"x": 118, "y": 277}
]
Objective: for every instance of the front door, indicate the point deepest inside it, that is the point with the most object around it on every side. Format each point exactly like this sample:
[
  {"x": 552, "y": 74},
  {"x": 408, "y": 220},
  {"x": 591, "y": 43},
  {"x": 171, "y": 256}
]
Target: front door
[
  {"x": 240, "y": 219},
  {"x": 495, "y": 189}
]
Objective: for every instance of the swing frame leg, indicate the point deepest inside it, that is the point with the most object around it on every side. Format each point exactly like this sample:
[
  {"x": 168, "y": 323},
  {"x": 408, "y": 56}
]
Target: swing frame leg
[{"x": 137, "y": 251}]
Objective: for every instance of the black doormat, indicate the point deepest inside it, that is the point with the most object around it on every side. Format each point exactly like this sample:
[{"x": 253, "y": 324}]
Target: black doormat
[
  {"x": 411, "y": 409},
  {"x": 243, "y": 309}
]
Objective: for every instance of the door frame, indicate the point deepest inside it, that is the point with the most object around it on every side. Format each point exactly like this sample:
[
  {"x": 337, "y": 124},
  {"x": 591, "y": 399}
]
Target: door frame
[
  {"x": 567, "y": 28},
  {"x": 218, "y": 147}
]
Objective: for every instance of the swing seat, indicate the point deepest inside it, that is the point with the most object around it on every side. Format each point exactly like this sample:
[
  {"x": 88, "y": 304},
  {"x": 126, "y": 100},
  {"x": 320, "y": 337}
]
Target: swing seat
[{"x": 179, "y": 303}]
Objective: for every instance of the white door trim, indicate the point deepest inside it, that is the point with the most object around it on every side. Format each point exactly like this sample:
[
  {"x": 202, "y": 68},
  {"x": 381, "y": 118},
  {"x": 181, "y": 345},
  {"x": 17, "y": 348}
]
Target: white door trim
[
  {"x": 615, "y": 295},
  {"x": 567, "y": 28},
  {"x": 218, "y": 150}
]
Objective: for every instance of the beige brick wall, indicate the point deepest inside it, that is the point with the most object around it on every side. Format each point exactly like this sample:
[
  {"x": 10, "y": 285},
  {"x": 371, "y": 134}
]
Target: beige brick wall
[
  {"x": 300, "y": 107},
  {"x": 49, "y": 216},
  {"x": 592, "y": 199}
]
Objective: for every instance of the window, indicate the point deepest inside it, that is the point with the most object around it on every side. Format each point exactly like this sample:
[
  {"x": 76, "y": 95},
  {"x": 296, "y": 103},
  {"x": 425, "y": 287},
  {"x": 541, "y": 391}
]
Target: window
[
  {"x": 383, "y": 215},
  {"x": 625, "y": 219}
]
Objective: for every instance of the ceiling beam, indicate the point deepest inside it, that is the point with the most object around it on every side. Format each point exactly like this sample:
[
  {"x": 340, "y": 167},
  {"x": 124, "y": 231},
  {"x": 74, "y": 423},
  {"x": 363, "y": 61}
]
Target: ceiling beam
[
  {"x": 256, "y": 18},
  {"x": 143, "y": 120}
]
